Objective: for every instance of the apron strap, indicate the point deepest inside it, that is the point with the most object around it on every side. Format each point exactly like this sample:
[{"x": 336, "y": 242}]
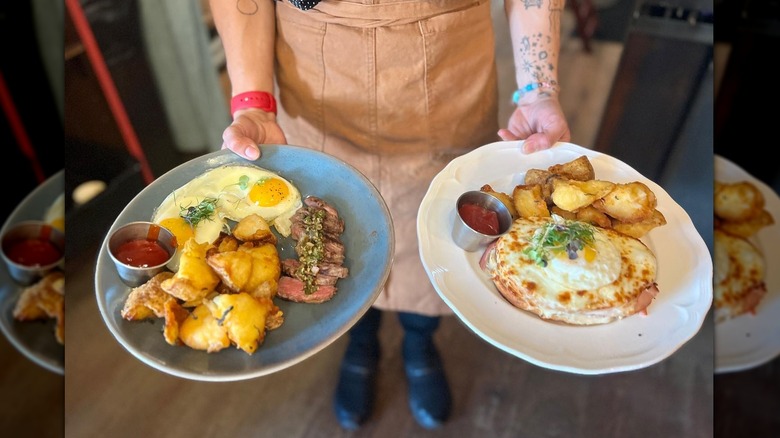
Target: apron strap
[{"x": 354, "y": 14}]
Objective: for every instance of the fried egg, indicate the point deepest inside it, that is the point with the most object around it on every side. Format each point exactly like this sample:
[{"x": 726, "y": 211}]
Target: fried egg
[
  {"x": 609, "y": 277},
  {"x": 55, "y": 214},
  {"x": 201, "y": 208},
  {"x": 739, "y": 276}
]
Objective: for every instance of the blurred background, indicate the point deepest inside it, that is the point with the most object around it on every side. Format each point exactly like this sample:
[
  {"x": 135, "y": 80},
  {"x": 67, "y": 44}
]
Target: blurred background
[
  {"x": 747, "y": 34},
  {"x": 31, "y": 132}
]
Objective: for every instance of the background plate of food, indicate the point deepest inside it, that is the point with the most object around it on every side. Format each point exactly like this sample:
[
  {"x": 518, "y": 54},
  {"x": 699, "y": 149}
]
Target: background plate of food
[
  {"x": 569, "y": 338},
  {"x": 35, "y": 338},
  {"x": 179, "y": 336},
  {"x": 746, "y": 330}
]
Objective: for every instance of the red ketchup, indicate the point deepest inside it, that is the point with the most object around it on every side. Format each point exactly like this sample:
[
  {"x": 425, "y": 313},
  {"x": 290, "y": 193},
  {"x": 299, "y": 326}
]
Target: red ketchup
[
  {"x": 479, "y": 218},
  {"x": 142, "y": 253},
  {"x": 33, "y": 252}
]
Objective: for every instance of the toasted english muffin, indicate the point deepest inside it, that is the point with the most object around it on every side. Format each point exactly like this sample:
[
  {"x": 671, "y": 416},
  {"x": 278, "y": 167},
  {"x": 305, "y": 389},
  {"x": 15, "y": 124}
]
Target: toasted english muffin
[
  {"x": 740, "y": 270},
  {"x": 610, "y": 277}
]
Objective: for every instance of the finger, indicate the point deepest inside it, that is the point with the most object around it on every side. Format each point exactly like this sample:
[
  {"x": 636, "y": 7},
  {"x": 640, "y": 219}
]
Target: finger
[
  {"x": 537, "y": 142},
  {"x": 239, "y": 143},
  {"x": 507, "y": 135}
]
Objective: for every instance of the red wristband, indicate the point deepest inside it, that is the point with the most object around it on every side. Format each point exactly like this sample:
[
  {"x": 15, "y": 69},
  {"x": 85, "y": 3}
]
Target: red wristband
[{"x": 253, "y": 99}]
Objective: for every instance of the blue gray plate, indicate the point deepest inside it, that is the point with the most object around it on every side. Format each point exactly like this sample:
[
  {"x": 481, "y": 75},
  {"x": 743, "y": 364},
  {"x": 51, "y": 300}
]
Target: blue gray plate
[
  {"x": 34, "y": 339},
  {"x": 308, "y": 328}
]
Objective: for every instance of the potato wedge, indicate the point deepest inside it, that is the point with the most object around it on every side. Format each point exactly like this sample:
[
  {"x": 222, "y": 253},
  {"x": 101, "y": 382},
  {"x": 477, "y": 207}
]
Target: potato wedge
[
  {"x": 738, "y": 201},
  {"x": 630, "y": 202},
  {"x": 529, "y": 201},
  {"x": 570, "y": 215},
  {"x": 572, "y": 195},
  {"x": 746, "y": 228},
  {"x": 579, "y": 169},
  {"x": 639, "y": 229},
  {"x": 503, "y": 197},
  {"x": 544, "y": 179},
  {"x": 592, "y": 216}
]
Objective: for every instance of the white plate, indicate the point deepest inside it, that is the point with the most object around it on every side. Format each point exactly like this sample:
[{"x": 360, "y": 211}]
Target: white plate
[
  {"x": 675, "y": 316},
  {"x": 308, "y": 328},
  {"x": 750, "y": 340},
  {"x": 34, "y": 339}
]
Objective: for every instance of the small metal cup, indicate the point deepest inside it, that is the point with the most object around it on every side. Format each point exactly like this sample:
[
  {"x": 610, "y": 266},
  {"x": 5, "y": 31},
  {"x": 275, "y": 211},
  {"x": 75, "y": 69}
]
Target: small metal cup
[
  {"x": 470, "y": 239},
  {"x": 27, "y": 275},
  {"x": 131, "y": 275}
]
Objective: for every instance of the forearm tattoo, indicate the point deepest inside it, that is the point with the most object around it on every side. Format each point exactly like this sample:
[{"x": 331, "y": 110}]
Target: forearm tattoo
[
  {"x": 537, "y": 57},
  {"x": 247, "y": 7},
  {"x": 538, "y": 61}
]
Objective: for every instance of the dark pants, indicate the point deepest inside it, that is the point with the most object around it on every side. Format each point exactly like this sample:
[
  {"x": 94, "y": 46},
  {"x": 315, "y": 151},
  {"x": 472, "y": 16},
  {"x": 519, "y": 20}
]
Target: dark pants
[{"x": 418, "y": 333}]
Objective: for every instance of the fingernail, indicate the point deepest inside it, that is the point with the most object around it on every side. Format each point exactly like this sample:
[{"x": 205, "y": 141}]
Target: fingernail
[{"x": 252, "y": 153}]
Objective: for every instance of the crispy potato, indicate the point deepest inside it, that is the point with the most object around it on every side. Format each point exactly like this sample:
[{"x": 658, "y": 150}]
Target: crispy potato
[
  {"x": 629, "y": 203},
  {"x": 544, "y": 179},
  {"x": 746, "y": 228},
  {"x": 250, "y": 269},
  {"x": 529, "y": 202},
  {"x": 572, "y": 195},
  {"x": 737, "y": 201},
  {"x": 579, "y": 169},
  {"x": 570, "y": 215},
  {"x": 503, "y": 197},
  {"x": 243, "y": 316},
  {"x": 253, "y": 228},
  {"x": 201, "y": 331},
  {"x": 195, "y": 278},
  {"x": 592, "y": 216},
  {"x": 639, "y": 229}
]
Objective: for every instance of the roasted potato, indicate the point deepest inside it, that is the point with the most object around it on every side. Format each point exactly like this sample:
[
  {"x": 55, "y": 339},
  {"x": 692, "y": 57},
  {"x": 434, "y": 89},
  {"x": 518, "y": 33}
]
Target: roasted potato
[
  {"x": 529, "y": 201},
  {"x": 579, "y": 169},
  {"x": 737, "y": 201},
  {"x": 201, "y": 331},
  {"x": 639, "y": 229},
  {"x": 542, "y": 178},
  {"x": 503, "y": 197},
  {"x": 243, "y": 316},
  {"x": 195, "y": 278},
  {"x": 592, "y": 216},
  {"x": 629, "y": 203},
  {"x": 254, "y": 228},
  {"x": 746, "y": 228},
  {"x": 570, "y": 215},
  {"x": 572, "y": 195}
]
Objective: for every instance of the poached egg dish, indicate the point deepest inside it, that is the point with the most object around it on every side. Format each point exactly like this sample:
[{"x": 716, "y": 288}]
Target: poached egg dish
[
  {"x": 201, "y": 208},
  {"x": 740, "y": 269},
  {"x": 571, "y": 271}
]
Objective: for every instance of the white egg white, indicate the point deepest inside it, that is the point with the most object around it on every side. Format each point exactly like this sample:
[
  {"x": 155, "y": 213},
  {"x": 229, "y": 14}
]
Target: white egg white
[{"x": 230, "y": 186}]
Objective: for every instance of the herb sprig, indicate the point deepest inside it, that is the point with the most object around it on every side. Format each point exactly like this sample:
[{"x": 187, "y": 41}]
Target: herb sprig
[
  {"x": 194, "y": 214},
  {"x": 557, "y": 236}
]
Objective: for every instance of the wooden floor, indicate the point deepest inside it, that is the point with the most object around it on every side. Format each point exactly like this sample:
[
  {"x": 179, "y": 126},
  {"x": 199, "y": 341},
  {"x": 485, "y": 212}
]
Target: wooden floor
[{"x": 108, "y": 392}]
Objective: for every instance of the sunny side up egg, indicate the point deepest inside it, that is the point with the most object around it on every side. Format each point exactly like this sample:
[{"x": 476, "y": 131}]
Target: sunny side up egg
[
  {"x": 55, "y": 214},
  {"x": 202, "y": 207}
]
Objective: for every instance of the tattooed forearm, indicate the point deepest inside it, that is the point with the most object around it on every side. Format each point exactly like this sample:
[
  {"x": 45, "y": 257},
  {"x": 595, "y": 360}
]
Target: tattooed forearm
[
  {"x": 538, "y": 60},
  {"x": 247, "y": 7}
]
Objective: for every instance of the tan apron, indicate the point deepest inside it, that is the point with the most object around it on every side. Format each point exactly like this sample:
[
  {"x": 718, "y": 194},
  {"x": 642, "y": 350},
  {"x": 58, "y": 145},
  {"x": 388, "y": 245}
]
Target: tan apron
[{"x": 396, "y": 88}]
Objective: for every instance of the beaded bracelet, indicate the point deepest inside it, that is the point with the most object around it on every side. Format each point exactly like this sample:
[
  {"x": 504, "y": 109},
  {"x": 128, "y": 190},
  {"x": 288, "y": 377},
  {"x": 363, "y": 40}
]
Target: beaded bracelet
[{"x": 531, "y": 87}]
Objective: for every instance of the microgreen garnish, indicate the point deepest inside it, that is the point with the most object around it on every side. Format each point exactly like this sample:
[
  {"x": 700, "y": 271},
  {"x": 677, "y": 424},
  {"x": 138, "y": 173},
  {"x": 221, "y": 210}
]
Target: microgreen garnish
[
  {"x": 557, "y": 236},
  {"x": 203, "y": 211},
  {"x": 243, "y": 182}
]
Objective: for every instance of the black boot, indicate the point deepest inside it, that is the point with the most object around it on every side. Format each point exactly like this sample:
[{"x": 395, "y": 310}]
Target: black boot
[
  {"x": 354, "y": 398},
  {"x": 429, "y": 392}
]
